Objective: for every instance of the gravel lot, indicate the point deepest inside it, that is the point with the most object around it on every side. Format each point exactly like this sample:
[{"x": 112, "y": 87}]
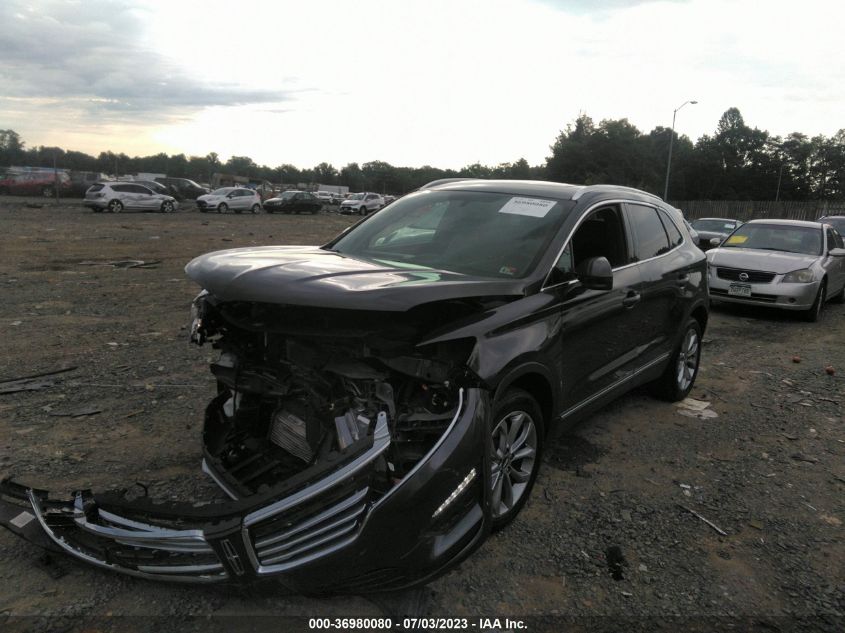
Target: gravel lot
[{"x": 608, "y": 533}]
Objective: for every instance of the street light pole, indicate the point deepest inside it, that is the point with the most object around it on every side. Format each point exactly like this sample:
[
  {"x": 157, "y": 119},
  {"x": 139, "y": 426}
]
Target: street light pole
[{"x": 671, "y": 140}]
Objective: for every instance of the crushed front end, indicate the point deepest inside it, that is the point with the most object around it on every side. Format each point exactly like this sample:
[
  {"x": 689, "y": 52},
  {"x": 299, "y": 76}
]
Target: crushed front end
[{"x": 354, "y": 459}]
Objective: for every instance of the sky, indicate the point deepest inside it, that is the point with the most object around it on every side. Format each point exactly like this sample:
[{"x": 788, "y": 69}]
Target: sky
[{"x": 411, "y": 82}]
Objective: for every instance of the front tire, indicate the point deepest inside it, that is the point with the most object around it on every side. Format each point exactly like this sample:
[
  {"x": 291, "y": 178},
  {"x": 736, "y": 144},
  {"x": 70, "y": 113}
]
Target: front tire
[
  {"x": 815, "y": 312},
  {"x": 222, "y": 207},
  {"x": 167, "y": 207},
  {"x": 256, "y": 208},
  {"x": 680, "y": 374},
  {"x": 47, "y": 192},
  {"x": 517, "y": 437}
]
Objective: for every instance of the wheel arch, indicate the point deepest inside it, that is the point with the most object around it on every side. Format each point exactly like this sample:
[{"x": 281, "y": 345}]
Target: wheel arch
[{"x": 536, "y": 380}]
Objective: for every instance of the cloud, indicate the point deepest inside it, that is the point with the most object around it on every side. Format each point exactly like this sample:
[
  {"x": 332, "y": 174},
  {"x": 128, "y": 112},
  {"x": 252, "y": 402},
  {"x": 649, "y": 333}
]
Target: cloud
[{"x": 93, "y": 56}]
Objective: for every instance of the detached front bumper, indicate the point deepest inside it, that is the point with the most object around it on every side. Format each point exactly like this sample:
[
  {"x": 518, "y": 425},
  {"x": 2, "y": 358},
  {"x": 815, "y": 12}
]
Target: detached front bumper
[
  {"x": 792, "y": 296},
  {"x": 334, "y": 534}
]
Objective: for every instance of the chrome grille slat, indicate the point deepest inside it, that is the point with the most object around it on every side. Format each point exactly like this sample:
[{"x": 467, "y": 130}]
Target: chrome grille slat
[
  {"x": 309, "y": 546},
  {"x": 181, "y": 569},
  {"x": 311, "y": 536},
  {"x": 333, "y": 526},
  {"x": 327, "y": 514}
]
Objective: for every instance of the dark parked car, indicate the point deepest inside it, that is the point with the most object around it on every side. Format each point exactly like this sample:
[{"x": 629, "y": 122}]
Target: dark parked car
[
  {"x": 836, "y": 221},
  {"x": 709, "y": 229},
  {"x": 383, "y": 401},
  {"x": 294, "y": 202},
  {"x": 183, "y": 188}
]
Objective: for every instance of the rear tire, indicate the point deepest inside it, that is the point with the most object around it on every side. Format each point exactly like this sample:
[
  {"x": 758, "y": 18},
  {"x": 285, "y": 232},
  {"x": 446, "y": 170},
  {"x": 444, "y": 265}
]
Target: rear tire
[
  {"x": 47, "y": 192},
  {"x": 815, "y": 312},
  {"x": 115, "y": 206},
  {"x": 517, "y": 437},
  {"x": 256, "y": 208},
  {"x": 680, "y": 374}
]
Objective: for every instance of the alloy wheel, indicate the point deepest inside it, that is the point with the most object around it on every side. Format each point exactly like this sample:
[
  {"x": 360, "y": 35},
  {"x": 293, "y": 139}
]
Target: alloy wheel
[
  {"x": 514, "y": 455},
  {"x": 687, "y": 362}
]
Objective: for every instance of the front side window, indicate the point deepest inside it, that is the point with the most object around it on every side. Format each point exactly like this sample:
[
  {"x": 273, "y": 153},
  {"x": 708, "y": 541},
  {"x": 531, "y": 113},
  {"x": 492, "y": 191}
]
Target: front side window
[
  {"x": 650, "y": 239},
  {"x": 468, "y": 232},
  {"x": 601, "y": 234}
]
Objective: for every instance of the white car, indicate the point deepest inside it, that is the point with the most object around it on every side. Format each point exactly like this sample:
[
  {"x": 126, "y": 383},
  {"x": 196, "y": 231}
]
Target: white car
[
  {"x": 117, "y": 196},
  {"x": 362, "y": 203},
  {"x": 324, "y": 196},
  {"x": 238, "y": 199}
]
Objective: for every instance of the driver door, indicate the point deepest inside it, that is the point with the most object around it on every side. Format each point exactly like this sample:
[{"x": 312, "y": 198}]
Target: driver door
[{"x": 599, "y": 329}]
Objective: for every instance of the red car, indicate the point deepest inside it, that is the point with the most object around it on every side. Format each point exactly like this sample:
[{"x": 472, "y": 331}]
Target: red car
[{"x": 34, "y": 183}]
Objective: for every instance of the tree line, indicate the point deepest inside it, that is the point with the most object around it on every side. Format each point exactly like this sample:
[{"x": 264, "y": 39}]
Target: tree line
[{"x": 736, "y": 162}]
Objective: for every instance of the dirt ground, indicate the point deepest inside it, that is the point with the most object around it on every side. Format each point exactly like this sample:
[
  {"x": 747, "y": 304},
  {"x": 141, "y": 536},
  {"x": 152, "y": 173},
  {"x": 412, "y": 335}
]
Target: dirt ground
[{"x": 608, "y": 532}]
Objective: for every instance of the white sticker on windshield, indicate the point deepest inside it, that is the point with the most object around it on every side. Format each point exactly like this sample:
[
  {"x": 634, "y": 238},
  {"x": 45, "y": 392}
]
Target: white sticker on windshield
[{"x": 534, "y": 207}]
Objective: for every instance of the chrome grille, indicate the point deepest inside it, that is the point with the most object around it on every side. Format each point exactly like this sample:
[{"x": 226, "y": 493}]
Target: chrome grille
[
  {"x": 753, "y": 276},
  {"x": 130, "y": 546},
  {"x": 283, "y": 544}
]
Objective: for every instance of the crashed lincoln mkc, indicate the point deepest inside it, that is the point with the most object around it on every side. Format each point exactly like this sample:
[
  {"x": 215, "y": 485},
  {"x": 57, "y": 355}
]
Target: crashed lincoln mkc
[{"x": 383, "y": 400}]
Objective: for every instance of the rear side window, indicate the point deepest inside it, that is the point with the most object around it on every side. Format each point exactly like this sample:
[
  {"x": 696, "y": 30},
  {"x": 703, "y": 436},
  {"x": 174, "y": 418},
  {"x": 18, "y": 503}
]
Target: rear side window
[
  {"x": 650, "y": 239},
  {"x": 122, "y": 188},
  {"x": 96, "y": 187}
]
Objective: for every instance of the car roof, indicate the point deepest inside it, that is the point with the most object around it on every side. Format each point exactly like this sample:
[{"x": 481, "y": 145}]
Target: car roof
[
  {"x": 544, "y": 188},
  {"x": 719, "y": 219},
  {"x": 832, "y": 217},
  {"x": 804, "y": 223}
]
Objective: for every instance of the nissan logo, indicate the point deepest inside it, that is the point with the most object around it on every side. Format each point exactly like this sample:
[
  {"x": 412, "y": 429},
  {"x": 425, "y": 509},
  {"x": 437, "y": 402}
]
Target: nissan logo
[{"x": 743, "y": 276}]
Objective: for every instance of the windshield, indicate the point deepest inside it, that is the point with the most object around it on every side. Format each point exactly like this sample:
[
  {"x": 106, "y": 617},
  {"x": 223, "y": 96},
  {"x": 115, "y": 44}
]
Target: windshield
[
  {"x": 777, "y": 237},
  {"x": 472, "y": 233},
  {"x": 221, "y": 192},
  {"x": 287, "y": 195},
  {"x": 356, "y": 196},
  {"x": 717, "y": 226}
]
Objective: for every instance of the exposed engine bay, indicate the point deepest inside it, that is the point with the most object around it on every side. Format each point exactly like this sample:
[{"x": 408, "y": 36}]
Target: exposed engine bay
[{"x": 300, "y": 389}]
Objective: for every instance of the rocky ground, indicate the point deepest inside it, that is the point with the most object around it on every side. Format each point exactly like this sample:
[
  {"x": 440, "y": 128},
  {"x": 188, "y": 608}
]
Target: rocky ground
[{"x": 615, "y": 532}]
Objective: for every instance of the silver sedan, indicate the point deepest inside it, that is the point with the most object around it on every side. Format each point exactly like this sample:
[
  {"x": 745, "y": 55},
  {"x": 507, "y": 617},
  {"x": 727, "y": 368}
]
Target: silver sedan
[{"x": 785, "y": 264}]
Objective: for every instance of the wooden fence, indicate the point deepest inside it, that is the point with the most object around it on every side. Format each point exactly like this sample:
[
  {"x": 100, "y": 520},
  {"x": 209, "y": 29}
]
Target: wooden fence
[{"x": 753, "y": 209}]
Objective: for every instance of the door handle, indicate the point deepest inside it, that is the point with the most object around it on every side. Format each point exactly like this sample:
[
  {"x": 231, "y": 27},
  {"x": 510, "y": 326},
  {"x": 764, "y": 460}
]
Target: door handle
[{"x": 631, "y": 299}]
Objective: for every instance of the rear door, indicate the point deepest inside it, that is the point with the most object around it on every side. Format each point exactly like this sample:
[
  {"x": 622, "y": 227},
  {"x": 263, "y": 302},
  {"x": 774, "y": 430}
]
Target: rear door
[{"x": 665, "y": 275}]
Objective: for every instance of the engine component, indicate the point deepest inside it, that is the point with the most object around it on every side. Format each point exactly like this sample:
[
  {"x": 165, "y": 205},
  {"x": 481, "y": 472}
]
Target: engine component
[{"x": 295, "y": 435}]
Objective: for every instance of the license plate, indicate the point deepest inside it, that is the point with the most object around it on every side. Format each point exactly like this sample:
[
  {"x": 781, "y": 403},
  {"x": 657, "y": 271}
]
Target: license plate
[{"x": 739, "y": 290}]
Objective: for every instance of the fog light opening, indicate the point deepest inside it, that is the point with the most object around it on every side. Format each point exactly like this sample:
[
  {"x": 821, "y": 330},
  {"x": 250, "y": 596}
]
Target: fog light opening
[{"x": 455, "y": 493}]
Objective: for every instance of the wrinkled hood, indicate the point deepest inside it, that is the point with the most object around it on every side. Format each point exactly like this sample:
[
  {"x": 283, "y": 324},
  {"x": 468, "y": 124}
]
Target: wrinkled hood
[
  {"x": 209, "y": 198},
  {"x": 778, "y": 262},
  {"x": 351, "y": 203},
  {"x": 311, "y": 276}
]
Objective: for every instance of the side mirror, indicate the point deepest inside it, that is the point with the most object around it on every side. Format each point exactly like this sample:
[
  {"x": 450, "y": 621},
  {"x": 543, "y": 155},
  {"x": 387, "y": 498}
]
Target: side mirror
[
  {"x": 836, "y": 252},
  {"x": 595, "y": 273},
  {"x": 716, "y": 241}
]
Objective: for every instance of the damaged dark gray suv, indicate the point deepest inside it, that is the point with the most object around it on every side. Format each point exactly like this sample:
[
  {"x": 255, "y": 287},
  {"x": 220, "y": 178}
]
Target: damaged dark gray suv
[{"x": 383, "y": 401}]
